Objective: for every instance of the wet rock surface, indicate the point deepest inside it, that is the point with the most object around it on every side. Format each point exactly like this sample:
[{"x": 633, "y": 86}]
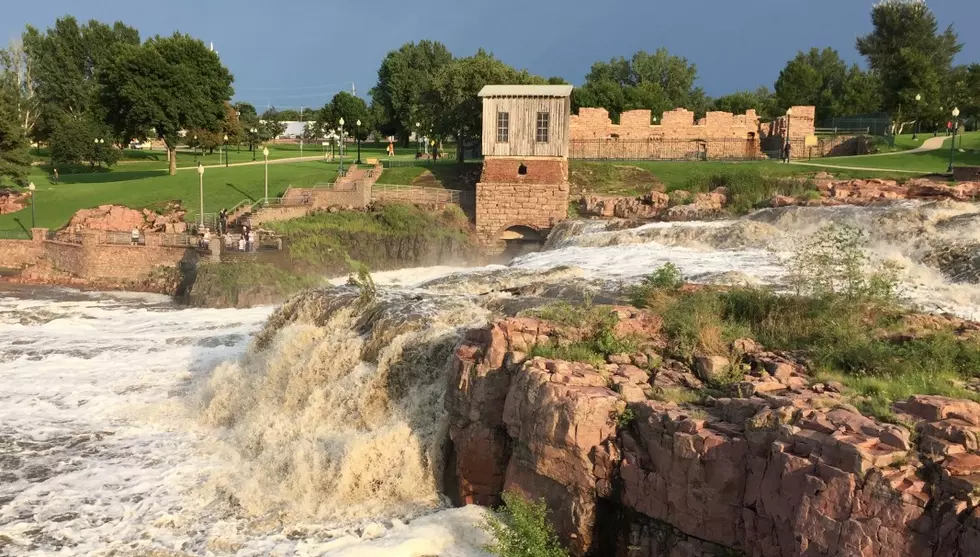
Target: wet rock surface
[{"x": 785, "y": 467}]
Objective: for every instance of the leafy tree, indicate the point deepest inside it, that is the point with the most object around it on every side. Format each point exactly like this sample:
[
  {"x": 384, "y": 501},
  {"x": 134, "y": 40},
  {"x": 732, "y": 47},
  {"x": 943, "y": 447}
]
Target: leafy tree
[
  {"x": 761, "y": 100},
  {"x": 79, "y": 141},
  {"x": 908, "y": 53},
  {"x": 351, "y": 109},
  {"x": 249, "y": 119},
  {"x": 232, "y": 126},
  {"x": 272, "y": 123},
  {"x": 656, "y": 81},
  {"x": 17, "y": 67},
  {"x": 822, "y": 79},
  {"x": 452, "y": 107},
  {"x": 167, "y": 84},
  {"x": 65, "y": 62},
  {"x": 15, "y": 163},
  {"x": 289, "y": 115},
  {"x": 522, "y": 530},
  {"x": 404, "y": 78}
]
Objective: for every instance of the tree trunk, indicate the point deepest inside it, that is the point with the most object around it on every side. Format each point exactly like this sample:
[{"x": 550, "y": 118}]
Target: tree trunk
[
  {"x": 459, "y": 147},
  {"x": 172, "y": 157}
]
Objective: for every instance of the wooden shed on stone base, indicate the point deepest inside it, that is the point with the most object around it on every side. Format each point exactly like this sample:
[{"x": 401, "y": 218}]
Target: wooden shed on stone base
[{"x": 523, "y": 191}]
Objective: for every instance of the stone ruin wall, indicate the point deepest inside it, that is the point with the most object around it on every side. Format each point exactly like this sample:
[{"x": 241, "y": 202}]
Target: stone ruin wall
[{"x": 723, "y": 135}]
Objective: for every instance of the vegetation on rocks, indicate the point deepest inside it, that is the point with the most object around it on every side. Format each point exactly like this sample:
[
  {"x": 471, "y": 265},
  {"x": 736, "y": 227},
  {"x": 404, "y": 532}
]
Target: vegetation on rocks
[
  {"x": 329, "y": 240},
  {"x": 748, "y": 186},
  {"x": 243, "y": 284},
  {"x": 844, "y": 317},
  {"x": 522, "y": 529}
]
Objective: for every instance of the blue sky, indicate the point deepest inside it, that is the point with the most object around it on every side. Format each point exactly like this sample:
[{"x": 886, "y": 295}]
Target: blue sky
[{"x": 300, "y": 52}]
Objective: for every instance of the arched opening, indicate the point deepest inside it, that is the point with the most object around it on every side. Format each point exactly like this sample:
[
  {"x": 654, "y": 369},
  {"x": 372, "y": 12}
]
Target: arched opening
[
  {"x": 521, "y": 239},
  {"x": 522, "y": 170}
]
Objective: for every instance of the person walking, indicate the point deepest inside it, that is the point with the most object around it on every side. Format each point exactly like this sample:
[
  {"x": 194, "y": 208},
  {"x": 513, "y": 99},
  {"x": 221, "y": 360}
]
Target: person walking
[
  {"x": 787, "y": 150},
  {"x": 135, "y": 236},
  {"x": 206, "y": 241},
  {"x": 223, "y": 221}
]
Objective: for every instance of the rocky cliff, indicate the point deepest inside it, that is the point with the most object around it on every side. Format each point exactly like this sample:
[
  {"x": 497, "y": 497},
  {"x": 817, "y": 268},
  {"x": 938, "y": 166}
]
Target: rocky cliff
[{"x": 785, "y": 468}]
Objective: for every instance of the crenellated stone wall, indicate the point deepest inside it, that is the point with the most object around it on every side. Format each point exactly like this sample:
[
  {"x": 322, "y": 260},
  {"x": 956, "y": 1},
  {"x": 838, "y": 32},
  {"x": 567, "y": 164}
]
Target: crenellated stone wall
[{"x": 677, "y": 135}]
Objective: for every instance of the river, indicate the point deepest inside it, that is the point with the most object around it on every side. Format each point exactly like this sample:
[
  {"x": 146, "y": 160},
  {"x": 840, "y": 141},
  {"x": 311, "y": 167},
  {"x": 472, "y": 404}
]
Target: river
[{"x": 130, "y": 426}]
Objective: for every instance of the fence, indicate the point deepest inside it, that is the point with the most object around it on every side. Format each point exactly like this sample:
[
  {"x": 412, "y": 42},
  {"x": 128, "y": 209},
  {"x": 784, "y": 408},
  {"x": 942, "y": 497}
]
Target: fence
[
  {"x": 421, "y": 195},
  {"x": 402, "y": 163},
  {"x": 158, "y": 239},
  {"x": 659, "y": 149},
  {"x": 873, "y": 124},
  {"x": 15, "y": 234}
]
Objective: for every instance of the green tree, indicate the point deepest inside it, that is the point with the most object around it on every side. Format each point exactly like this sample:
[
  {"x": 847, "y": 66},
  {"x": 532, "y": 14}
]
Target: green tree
[
  {"x": 822, "y": 79},
  {"x": 351, "y": 109},
  {"x": 761, "y": 100},
  {"x": 655, "y": 81},
  {"x": 404, "y": 78},
  {"x": 289, "y": 115},
  {"x": 168, "y": 84},
  {"x": 522, "y": 529},
  {"x": 17, "y": 67},
  {"x": 15, "y": 163},
  {"x": 249, "y": 119},
  {"x": 232, "y": 127},
  {"x": 65, "y": 62},
  {"x": 452, "y": 107},
  {"x": 82, "y": 140},
  {"x": 272, "y": 124},
  {"x": 909, "y": 54}
]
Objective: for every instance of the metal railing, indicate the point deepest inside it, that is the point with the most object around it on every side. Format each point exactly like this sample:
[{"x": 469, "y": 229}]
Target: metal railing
[
  {"x": 842, "y": 131},
  {"x": 402, "y": 163},
  {"x": 15, "y": 234},
  {"x": 420, "y": 195},
  {"x": 659, "y": 149}
]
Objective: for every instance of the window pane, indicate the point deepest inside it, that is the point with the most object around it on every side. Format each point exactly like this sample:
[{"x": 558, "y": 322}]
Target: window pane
[
  {"x": 503, "y": 127},
  {"x": 542, "y": 128}
]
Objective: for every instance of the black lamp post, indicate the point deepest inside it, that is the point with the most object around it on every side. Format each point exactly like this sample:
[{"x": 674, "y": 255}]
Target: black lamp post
[
  {"x": 952, "y": 146},
  {"x": 340, "y": 148},
  {"x": 918, "y": 111},
  {"x": 226, "y": 151},
  {"x": 358, "y": 142}
]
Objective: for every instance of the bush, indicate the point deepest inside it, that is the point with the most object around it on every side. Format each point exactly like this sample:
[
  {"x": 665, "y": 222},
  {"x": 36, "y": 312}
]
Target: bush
[
  {"x": 522, "y": 530},
  {"x": 667, "y": 276},
  {"x": 833, "y": 261},
  {"x": 747, "y": 186},
  {"x": 598, "y": 340}
]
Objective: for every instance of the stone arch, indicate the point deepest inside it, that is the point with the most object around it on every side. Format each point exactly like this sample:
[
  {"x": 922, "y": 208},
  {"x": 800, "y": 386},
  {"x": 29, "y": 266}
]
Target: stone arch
[{"x": 522, "y": 230}]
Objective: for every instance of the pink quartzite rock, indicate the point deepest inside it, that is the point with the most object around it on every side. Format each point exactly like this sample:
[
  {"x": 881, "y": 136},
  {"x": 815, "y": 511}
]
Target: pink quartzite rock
[{"x": 790, "y": 471}]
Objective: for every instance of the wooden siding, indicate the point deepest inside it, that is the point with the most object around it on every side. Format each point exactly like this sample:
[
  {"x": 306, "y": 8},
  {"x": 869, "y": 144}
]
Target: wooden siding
[{"x": 523, "y": 125}]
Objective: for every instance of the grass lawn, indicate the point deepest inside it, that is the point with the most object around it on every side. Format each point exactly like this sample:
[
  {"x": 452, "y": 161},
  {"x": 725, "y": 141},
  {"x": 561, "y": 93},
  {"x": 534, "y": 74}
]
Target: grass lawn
[
  {"x": 636, "y": 178},
  {"x": 142, "y": 187}
]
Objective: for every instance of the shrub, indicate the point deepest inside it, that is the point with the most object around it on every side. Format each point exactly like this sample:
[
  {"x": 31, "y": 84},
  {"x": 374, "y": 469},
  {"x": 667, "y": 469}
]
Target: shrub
[
  {"x": 667, "y": 276},
  {"x": 833, "y": 261},
  {"x": 522, "y": 529},
  {"x": 625, "y": 418},
  {"x": 360, "y": 276},
  {"x": 747, "y": 186}
]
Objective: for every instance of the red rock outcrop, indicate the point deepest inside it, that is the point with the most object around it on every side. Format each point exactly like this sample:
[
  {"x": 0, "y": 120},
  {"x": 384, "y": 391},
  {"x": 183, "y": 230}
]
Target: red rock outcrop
[
  {"x": 116, "y": 218},
  {"x": 12, "y": 201},
  {"x": 787, "y": 469},
  {"x": 656, "y": 205}
]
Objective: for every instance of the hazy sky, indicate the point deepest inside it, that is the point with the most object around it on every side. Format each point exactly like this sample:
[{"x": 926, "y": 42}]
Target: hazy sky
[{"x": 293, "y": 53}]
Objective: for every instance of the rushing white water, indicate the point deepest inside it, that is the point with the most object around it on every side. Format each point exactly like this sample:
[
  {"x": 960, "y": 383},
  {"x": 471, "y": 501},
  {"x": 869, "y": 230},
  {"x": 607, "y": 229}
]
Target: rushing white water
[{"x": 129, "y": 426}]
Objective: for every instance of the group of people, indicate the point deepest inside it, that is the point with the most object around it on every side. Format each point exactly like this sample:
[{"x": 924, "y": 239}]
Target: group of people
[{"x": 246, "y": 242}]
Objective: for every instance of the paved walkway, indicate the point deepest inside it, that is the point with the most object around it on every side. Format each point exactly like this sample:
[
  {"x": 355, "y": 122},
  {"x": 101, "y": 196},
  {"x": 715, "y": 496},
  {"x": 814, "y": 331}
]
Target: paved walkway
[
  {"x": 254, "y": 163},
  {"x": 865, "y": 168},
  {"x": 931, "y": 144}
]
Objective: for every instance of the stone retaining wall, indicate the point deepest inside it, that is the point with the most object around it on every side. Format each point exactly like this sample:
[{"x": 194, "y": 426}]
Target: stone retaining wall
[
  {"x": 501, "y": 206},
  {"x": 16, "y": 254}
]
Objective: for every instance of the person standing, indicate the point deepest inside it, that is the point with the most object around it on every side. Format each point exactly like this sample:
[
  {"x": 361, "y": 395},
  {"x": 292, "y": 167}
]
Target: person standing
[
  {"x": 251, "y": 240},
  {"x": 135, "y": 236},
  {"x": 223, "y": 221},
  {"x": 787, "y": 150}
]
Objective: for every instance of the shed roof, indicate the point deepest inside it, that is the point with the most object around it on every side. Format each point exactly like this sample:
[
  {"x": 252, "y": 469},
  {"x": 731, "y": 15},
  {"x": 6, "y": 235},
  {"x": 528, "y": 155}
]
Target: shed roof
[{"x": 526, "y": 91}]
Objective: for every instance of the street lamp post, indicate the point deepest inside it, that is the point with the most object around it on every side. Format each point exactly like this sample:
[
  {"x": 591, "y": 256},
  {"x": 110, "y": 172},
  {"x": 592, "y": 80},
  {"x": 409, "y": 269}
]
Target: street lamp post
[
  {"x": 358, "y": 141},
  {"x": 195, "y": 148},
  {"x": 254, "y": 132},
  {"x": 340, "y": 148},
  {"x": 418, "y": 139},
  {"x": 98, "y": 141},
  {"x": 33, "y": 190},
  {"x": 952, "y": 146},
  {"x": 918, "y": 112},
  {"x": 200, "y": 173},
  {"x": 226, "y": 151},
  {"x": 265, "y": 153},
  {"x": 238, "y": 117}
]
